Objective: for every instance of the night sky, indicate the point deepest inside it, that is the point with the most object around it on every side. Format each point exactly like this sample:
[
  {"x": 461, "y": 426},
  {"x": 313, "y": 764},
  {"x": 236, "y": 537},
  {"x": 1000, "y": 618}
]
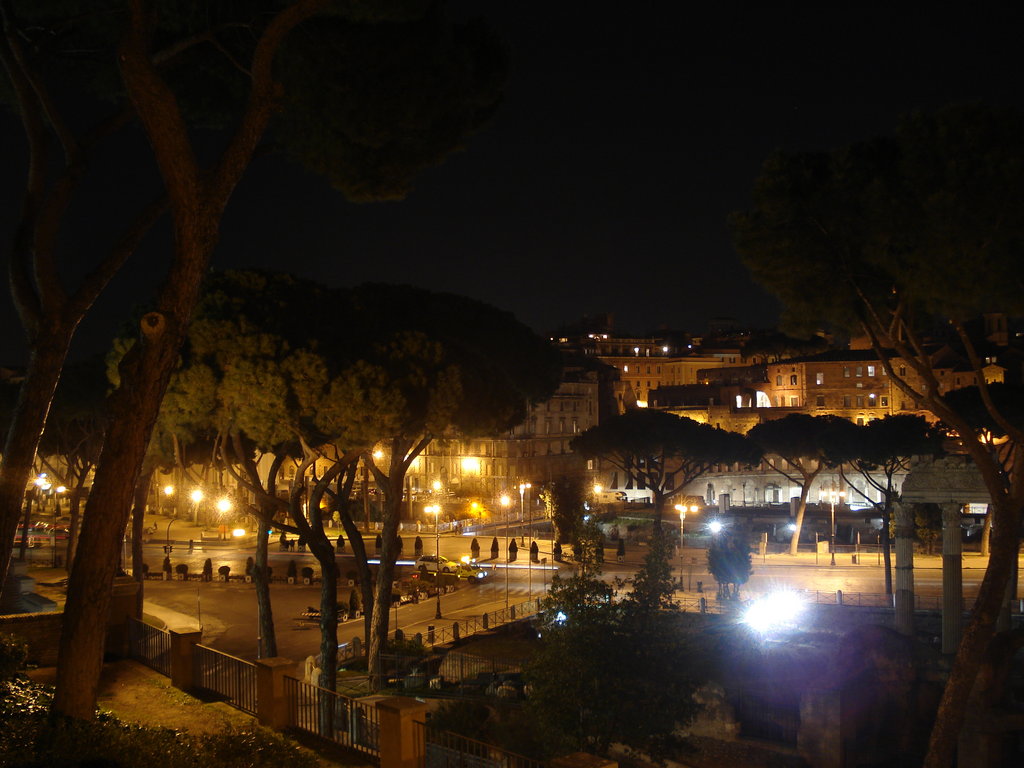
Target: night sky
[{"x": 604, "y": 182}]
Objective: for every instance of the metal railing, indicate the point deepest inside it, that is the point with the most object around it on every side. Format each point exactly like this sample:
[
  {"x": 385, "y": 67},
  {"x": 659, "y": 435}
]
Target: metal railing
[
  {"x": 150, "y": 645},
  {"x": 444, "y": 749},
  {"x": 333, "y": 716},
  {"x": 227, "y": 676},
  {"x": 445, "y": 633}
]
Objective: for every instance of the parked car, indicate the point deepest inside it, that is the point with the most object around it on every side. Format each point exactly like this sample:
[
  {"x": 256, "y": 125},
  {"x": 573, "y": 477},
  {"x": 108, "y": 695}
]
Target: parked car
[{"x": 434, "y": 563}]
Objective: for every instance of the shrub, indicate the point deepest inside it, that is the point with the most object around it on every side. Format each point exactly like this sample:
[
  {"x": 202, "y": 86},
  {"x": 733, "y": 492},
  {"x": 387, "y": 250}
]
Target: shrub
[
  {"x": 248, "y": 566},
  {"x": 293, "y": 569},
  {"x": 418, "y": 546},
  {"x": 208, "y": 570},
  {"x": 225, "y": 571},
  {"x": 494, "y": 548},
  {"x": 307, "y": 573},
  {"x": 167, "y": 565},
  {"x": 474, "y": 549},
  {"x": 513, "y": 550},
  {"x": 145, "y": 570},
  {"x": 378, "y": 543},
  {"x": 181, "y": 569}
]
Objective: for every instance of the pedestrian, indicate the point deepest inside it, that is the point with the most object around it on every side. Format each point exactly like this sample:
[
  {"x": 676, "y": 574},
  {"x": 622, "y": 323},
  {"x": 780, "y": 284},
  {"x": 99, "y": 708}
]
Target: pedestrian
[{"x": 191, "y": 546}]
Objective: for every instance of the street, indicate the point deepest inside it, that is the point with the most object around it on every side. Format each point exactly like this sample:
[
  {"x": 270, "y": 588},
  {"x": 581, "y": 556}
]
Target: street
[{"x": 227, "y": 611}]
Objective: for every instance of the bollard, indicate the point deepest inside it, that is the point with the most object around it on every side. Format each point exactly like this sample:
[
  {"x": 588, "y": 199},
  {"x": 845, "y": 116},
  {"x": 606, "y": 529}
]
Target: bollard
[
  {"x": 455, "y": 631},
  {"x": 839, "y": 597},
  {"x": 485, "y": 621},
  {"x": 430, "y": 633},
  {"x": 703, "y": 605},
  {"x": 512, "y": 613},
  {"x": 700, "y": 587}
]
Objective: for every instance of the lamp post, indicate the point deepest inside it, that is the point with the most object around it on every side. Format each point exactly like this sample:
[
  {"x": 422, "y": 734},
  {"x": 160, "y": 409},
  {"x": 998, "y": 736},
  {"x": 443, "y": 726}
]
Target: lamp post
[
  {"x": 435, "y": 510},
  {"x": 196, "y": 496},
  {"x": 832, "y": 529},
  {"x": 506, "y": 502},
  {"x": 223, "y": 507},
  {"x": 529, "y": 557}
]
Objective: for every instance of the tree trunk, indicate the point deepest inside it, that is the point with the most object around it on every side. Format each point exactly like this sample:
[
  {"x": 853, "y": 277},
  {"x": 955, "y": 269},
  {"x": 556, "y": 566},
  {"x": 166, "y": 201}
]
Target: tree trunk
[
  {"x": 34, "y": 397},
  {"x": 385, "y": 575},
  {"x": 801, "y": 509},
  {"x": 138, "y": 518},
  {"x": 976, "y": 636},
  {"x": 145, "y": 371},
  {"x": 887, "y": 542},
  {"x": 355, "y": 540},
  {"x": 986, "y": 532},
  {"x": 328, "y": 633},
  {"x": 267, "y": 645}
]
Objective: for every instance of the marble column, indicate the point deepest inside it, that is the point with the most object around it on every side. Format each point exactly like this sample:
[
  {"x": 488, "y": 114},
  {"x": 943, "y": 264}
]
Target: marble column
[
  {"x": 904, "y": 515},
  {"x": 952, "y": 577}
]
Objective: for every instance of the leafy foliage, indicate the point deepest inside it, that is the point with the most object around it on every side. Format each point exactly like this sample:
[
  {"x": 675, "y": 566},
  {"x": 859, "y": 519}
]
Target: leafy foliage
[
  {"x": 660, "y": 451},
  {"x": 729, "y": 561}
]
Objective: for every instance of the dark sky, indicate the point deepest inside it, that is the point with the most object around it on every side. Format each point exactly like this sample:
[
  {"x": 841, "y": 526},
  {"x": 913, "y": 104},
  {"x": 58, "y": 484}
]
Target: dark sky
[{"x": 604, "y": 182}]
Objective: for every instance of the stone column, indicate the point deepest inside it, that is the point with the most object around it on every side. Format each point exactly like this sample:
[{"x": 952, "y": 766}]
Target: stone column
[
  {"x": 402, "y": 743},
  {"x": 271, "y": 705},
  {"x": 183, "y": 643},
  {"x": 123, "y": 605},
  {"x": 952, "y": 577},
  {"x": 904, "y": 568}
]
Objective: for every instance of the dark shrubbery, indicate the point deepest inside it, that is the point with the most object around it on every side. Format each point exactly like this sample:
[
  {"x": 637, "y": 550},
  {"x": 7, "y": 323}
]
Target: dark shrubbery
[{"x": 13, "y": 653}]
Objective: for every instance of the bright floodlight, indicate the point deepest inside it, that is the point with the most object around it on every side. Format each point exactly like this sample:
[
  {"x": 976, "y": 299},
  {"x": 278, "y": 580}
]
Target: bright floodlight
[
  {"x": 714, "y": 526},
  {"x": 774, "y": 611},
  {"x": 197, "y": 495},
  {"x": 223, "y": 505}
]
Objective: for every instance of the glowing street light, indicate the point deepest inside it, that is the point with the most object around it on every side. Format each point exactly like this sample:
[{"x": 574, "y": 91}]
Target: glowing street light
[
  {"x": 715, "y": 527},
  {"x": 833, "y": 495},
  {"x": 224, "y": 505},
  {"x": 196, "y": 496}
]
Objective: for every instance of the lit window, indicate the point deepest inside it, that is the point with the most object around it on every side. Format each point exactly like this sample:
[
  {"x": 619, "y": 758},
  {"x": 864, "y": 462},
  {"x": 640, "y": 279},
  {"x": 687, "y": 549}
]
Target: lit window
[
  {"x": 819, "y": 378},
  {"x": 778, "y": 381},
  {"x": 860, "y": 371},
  {"x": 819, "y": 401},
  {"x": 871, "y": 370},
  {"x": 846, "y": 371},
  {"x": 792, "y": 380}
]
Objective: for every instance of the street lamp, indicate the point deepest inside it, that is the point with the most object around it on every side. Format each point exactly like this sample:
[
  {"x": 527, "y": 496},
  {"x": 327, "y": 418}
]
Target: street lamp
[
  {"x": 522, "y": 509},
  {"x": 196, "y": 496},
  {"x": 435, "y": 510},
  {"x": 833, "y": 495},
  {"x": 223, "y": 507},
  {"x": 529, "y": 555},
  {"x": 506, "y": 502}
]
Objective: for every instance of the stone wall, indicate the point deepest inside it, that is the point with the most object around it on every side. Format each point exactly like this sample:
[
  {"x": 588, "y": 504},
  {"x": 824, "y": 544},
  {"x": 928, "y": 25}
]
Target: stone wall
[{"x": 41, "y": 631}]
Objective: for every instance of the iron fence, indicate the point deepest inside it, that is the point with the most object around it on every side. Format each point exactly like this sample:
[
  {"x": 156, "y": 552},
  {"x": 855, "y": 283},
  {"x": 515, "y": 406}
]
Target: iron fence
[
  {"x": 333, "y": 716},
  {"x": 444, "y": 749},
  {"x": 227, "y": 676},
  {"x": 150, "y": 645}
]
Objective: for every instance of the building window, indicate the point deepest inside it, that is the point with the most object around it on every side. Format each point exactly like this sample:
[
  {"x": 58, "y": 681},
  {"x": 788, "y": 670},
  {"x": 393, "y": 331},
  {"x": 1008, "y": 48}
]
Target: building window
[
  {"x": 819, "y": 401},
  {"x": 903, "y": 370},
  {"x": 819, "y": 378},
  {"x": 871, "y": 370},
  {"x": 778, "y": 381},
  {"x": 860, "y": 401},
  {"x": 860, "y": 421},
  {"x": 792, "y": 380},
  {"x": 860, "y": 371},
  {"x": 847, "y": 401},
  {"x": 846, "y": 371},
  {"x": 871, "y": 400},
  {"x": 793, "y": 401},
  {"x": 885, "y": 401}
]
